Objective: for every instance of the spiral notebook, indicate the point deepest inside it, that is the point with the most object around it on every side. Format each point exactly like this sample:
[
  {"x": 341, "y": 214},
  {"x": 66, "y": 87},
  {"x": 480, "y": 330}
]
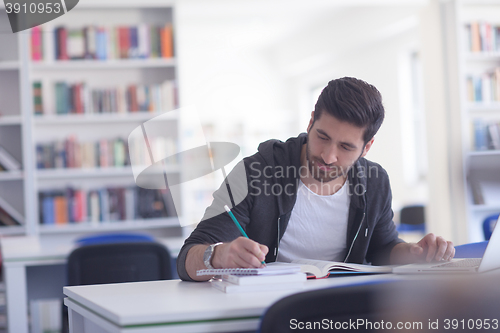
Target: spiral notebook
[{"x": 273, "y": 268}]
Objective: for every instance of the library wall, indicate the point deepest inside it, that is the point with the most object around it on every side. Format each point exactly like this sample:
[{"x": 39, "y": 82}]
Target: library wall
[
  {"x": 232, "y": 82},
  {"x": 382, "y": 69},
  {"x": 372, "y": 53},
  {"x": 274, "y": 80}
]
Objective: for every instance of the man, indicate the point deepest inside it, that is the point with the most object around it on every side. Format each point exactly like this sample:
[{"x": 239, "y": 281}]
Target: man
[{"x": 314, "y": 196}]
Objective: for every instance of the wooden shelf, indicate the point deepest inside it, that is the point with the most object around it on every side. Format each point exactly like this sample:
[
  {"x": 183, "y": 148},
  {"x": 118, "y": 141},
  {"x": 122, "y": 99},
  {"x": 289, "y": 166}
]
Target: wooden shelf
[
  {"x": 139, "y": 116},
  {"x": 110, "y": 226},
  {"x": 104, "y": 64}
]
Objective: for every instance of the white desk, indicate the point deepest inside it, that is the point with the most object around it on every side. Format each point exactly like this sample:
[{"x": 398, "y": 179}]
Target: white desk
[
  {"x": 21, "y": 254},
  {"x": 177, "y": 306}
]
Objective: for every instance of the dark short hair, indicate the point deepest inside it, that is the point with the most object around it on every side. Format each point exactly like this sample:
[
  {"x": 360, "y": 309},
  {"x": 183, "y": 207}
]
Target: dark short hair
[{"x": 353, "y": 101}]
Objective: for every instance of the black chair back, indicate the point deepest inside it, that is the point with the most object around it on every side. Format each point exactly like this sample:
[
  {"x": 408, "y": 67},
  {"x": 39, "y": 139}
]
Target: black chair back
[
  {"x": 412, "y": 215},
  {"x": 326, "y": 308},
  {"x": 414, "y": 305},
  {"x": 119, "y": 262}
]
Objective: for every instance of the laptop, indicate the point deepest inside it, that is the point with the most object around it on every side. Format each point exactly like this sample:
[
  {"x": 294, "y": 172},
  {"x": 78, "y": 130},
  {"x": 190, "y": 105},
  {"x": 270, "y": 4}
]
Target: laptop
[{"x": 490, "y": 260}]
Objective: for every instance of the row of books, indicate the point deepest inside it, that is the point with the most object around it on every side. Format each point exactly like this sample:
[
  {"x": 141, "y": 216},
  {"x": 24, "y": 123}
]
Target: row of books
[
  {"x": 79, "y": 98},
  {"x": 483, "y": 36},
  {"x": 102, "y": 43},
  {"x": 77, "y": 205},
  {"x": 486, "y": 135},
  {"x": 485, "y": 87},
  {"x": 104, "y": 153},
  {"x": 70, "y": 153}
]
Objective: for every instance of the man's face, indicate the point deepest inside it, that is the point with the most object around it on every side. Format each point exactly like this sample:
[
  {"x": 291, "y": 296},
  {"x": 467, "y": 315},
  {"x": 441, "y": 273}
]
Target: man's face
[{"x": 333, "y": 146}]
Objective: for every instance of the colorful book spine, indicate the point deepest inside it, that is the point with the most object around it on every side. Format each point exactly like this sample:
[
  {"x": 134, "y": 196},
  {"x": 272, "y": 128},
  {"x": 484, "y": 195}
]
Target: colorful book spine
[
  {"x": 101, "y": 44},
  {"x": 36, "y": 44},
  {"x": 63, "y": 46},
  {"x": 133, "y": 51},
  {"x": 61, "y": 209},
  {"x": 48, "y": 216},
  {"x": 124, "y": 42},
  {"x": 167, "y": 50},
  {"x": 143, "y": 41},
  {"x": 37, "y": 98},
  {"x": 153, "y": 42}
]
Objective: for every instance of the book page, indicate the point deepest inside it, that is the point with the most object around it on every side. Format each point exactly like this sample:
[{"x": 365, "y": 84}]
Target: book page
[
  {"x": 326, "y": 266},
  {"x": 323, "y": 266}
]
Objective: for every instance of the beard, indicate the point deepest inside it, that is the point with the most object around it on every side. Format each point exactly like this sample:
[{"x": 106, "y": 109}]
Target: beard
[{"x": 325, "y": 176}]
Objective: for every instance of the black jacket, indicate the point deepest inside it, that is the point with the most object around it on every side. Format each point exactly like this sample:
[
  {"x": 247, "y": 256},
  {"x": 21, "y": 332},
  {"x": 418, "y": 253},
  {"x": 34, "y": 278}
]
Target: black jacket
[{"x": 273, "y": 178}]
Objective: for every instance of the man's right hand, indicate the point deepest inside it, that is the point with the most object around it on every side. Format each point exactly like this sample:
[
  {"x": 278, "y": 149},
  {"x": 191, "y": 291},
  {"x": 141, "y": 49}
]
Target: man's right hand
[{"x": 240, "y": 253}]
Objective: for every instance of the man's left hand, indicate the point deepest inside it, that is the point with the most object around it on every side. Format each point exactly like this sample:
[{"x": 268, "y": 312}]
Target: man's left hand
[{"x": 427, "y": 249}]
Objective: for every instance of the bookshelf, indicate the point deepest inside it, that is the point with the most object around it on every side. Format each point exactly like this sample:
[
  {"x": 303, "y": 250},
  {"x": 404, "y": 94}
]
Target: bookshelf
[
  {"x": 12, "y": 183},
  {"x": 477, "y": 28},
  {"x": 22, "y": 131}
]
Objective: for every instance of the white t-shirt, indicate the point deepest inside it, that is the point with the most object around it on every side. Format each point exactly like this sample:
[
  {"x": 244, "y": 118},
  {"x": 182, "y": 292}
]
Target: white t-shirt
[{"x": 318, "y": 226}]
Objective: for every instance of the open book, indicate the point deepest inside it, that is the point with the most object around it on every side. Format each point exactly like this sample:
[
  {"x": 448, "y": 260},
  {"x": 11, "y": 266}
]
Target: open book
[{"x": 321, "y": 268}]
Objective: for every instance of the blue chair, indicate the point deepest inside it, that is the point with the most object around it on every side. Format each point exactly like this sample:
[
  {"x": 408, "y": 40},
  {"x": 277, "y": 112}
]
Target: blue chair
[
  {"x": 471, "y": 250},
  {"x": 113, "y": 238},
  {"x": 412, "y": 219},
  {"x": 489, "y": 224}
]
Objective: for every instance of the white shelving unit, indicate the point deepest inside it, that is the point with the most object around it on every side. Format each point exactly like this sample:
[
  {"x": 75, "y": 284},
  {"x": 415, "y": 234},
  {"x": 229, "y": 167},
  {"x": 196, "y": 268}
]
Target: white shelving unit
[
  {"x": 12, "y": 183},
  {"x": 21, "y": 130},
  {"x": 481, "y": 167}
]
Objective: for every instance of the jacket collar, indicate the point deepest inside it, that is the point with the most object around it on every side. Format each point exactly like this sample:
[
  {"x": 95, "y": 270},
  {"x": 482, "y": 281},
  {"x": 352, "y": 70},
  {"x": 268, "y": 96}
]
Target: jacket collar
[
  {"x": 357, "y": 183},
  {"x": 357, "y": 177}
]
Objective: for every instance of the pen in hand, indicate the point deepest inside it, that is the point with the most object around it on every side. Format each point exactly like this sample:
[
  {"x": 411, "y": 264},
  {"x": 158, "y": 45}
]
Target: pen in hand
[{"x": 238, "y": 225}]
